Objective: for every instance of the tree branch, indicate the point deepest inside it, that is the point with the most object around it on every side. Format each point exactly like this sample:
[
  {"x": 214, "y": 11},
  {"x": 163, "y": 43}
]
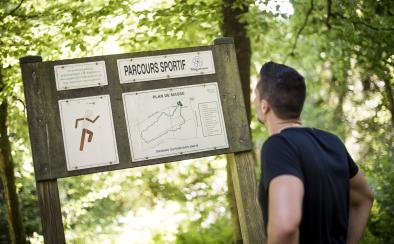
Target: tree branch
[
  {"x": 390, "y": 99},
  {"x": 373, "y": 27},
  {"x": 329, "y": 7},
  {"x": 25, "y": 17},
  {"x": 16, "y": 8},
  {"x": 15, "y": 98},
  {"x": 358, "y": 22},
  {"x": 300, "y": 31}
]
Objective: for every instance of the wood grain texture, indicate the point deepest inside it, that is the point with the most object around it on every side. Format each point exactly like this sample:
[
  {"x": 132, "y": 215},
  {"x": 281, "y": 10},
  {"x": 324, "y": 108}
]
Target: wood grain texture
[
  {"x": 50, "y": 211},
  {"x": 246, "y": 195},
  {"x": 38, "y": 118},
  {"x": 241, "y": 164},
  {"x": 39, "y": 123},
  {"x": 44, "y": 118}
]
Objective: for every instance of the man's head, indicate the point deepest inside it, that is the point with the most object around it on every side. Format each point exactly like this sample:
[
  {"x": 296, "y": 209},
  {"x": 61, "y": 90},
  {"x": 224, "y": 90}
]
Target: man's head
[{"x": 282, "y": 90}]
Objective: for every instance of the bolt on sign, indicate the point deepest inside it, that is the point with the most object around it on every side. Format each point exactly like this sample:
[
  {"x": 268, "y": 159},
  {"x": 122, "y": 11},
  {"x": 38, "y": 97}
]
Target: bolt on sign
[{"x": 103, "y": 113}]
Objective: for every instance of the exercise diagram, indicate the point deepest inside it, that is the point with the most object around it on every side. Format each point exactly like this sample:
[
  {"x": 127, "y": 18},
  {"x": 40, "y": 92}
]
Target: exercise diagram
[{"x": 85, "y": 130}]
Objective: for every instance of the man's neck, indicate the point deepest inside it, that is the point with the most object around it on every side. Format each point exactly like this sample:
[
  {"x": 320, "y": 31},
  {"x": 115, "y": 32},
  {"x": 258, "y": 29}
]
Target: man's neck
[{"x": 276, "y": 125}]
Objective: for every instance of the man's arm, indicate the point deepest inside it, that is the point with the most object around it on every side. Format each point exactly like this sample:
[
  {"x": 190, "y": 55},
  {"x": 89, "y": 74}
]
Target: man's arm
[
  {"x": 360, "y": 202},
  {"x": 284, "y": 209}
]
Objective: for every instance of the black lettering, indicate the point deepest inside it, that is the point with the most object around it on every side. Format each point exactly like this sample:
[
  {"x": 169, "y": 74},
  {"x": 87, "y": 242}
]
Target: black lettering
[
  {"x": 134, "y": 69},
  {"x": 151, "y": 67},
  {"x": 179, "y": 64},
  {"x": 126, "y": 69},
  {"x": 156, "y": 68},
  {"x": 143, "y": 68},
  {"x": 174, "y": 65},
  {"x": 162, "y": 67},
  {"x": 139, "y": 69},
  {"x": 183, "y": 64}
]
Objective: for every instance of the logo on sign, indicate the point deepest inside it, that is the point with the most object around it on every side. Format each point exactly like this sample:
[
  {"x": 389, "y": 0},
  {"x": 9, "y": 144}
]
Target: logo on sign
[{"x": 197, "y": 64}]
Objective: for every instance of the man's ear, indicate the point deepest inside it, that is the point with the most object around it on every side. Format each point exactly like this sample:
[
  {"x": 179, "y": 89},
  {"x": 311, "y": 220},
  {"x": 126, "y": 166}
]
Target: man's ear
[{"x": 265, "y": 106}]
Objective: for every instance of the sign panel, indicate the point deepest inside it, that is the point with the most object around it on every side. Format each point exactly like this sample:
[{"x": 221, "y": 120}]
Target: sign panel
[
  {"x": 174, "y": 121},
  {"x": 165, "y": 66},
  {"x": 80, "y": 75},
  {"x": 88, "y": 132},
  {"x": 133, "y": 124}
]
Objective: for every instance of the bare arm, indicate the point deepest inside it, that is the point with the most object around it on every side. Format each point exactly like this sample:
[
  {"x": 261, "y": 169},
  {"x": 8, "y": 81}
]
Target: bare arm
[
  {"x": 284, "y": 209},
  {"x": 360, "y": 202}
]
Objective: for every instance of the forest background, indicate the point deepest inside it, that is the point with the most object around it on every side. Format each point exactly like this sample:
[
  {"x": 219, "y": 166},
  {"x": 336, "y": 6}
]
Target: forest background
[{"x": 345, "y": 49}]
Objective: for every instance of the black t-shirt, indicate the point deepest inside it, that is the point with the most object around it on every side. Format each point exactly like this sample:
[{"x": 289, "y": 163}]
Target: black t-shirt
[{"x": 320, "y": 160}]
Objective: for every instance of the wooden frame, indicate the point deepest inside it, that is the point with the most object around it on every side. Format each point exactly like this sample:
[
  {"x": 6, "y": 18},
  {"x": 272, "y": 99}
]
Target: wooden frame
[{"x": 47, "y": 140}]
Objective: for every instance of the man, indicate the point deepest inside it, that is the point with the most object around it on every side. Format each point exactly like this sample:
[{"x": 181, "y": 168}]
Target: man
[{"x": 311, "y": 191}]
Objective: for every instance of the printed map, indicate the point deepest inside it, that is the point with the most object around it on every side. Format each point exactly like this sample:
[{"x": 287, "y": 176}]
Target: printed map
[{"x": 174, "y": 121}]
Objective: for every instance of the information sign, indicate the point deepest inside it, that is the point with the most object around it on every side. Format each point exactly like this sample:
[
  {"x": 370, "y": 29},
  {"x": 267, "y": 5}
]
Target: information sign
[
  {"x": 80, "y": 75},
  {"x": 165, "y": 66},
  {"x": 88, "y": 132},
  {"x": 174, "y": 121}
]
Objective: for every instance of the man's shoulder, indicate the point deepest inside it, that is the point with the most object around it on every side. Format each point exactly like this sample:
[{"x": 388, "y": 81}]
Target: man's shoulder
[
  {"x": 274, "y": 139},
  {"x": 326, "y": 134},
  {"x": 276, "y": 143},
  {"x": 316, "y": 132},
  {"x": 290, "y": 136},
  {"x": 297, "y": 137}
]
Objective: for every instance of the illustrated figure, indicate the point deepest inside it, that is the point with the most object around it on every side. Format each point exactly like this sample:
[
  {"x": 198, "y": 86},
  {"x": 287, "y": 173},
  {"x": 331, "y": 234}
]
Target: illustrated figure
[
  {"x": 85, "y": 130},
  {"x": 197, "y": 62},
  {"x": 311, "y": 191}
]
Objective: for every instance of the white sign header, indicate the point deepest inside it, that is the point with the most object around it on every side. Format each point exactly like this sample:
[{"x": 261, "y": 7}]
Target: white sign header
[
  {"x": 165, "y": 66},
  {"x": 81, "y": 75}
]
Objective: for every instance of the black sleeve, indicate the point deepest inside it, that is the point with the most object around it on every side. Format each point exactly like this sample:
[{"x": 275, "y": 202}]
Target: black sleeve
[
  {"x": 278, "y": 158},
  {"x": 353, "y": 168}
]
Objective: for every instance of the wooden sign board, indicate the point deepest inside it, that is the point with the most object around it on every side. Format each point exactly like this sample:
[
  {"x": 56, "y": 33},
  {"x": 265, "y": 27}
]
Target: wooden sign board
[{"x": 112, "y": 112}]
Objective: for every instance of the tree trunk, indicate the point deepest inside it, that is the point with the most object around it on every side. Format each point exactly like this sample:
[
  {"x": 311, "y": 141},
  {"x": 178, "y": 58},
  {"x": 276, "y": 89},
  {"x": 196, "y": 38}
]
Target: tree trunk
[
  {"x": 14, "y": 218},
  {"x": 4, "y": 238},
  {"x": 390, "y": 98},
  {"x": 233, "y": 27}
]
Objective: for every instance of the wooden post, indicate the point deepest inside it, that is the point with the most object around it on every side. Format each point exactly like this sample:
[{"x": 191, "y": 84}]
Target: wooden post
[
  {"x": 51, "y": 215},
  {"x": 241, "y": 164},
  {"x": 48, "y": 193},
  {"x": 246, "y": 192}
]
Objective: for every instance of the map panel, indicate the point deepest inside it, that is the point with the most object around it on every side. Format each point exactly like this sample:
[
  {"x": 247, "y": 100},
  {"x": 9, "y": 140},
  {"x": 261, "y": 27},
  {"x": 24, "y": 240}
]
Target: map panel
[{"x": 174, "y": 121}]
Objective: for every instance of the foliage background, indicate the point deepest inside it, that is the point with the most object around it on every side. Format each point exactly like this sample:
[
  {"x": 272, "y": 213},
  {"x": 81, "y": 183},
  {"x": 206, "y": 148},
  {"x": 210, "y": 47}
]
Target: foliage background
[{"x": 344, "y": 49}]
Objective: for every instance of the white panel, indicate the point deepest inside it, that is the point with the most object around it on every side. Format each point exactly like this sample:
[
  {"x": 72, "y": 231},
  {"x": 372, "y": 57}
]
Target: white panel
[
  {"x": 174, "y": 121},
  {"x": 88, "y": 132},
  {"x": 81, "y": 75},
  {"x": 165, "y": 66}
]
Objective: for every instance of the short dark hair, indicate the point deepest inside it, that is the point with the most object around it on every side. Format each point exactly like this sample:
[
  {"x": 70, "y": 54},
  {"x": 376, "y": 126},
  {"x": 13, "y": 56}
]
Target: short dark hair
[{"x": 284, "y": 88}]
